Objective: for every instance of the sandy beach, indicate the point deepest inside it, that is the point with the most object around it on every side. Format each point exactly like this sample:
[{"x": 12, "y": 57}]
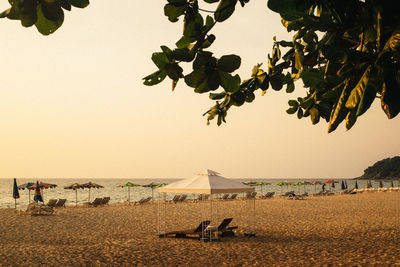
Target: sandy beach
[{"x": 361, "y": 229}]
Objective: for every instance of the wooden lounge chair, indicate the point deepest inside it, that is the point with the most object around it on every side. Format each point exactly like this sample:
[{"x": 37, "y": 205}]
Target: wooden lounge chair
[
  {"x": 225, "y": 197},
  {"x": 105, "y": 201},
  {"x": 223, "y": 228},
  {"x": 175, "y": 199},
  {"x": 233, "y": 196},
  {"x": 35, "y": 209},
  {"x": 182, "y": 199},
  {"x": 60, "y": 203},
  {"x": 51, "y": 203},
  {"x": 96, "y": 202},
  {"x": 183, "y": 233}
]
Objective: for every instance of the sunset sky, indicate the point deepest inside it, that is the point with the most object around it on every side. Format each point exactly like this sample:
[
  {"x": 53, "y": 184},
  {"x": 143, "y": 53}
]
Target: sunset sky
[{"x": 73, "y": 105}]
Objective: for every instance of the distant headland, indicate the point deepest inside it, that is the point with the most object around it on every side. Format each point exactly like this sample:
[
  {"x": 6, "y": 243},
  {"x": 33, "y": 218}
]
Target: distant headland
[{"x": 388, "y": 168}]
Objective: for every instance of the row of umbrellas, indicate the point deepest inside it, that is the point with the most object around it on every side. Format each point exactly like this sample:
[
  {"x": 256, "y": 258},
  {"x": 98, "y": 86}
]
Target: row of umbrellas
[{"x": 39, "y": 186}]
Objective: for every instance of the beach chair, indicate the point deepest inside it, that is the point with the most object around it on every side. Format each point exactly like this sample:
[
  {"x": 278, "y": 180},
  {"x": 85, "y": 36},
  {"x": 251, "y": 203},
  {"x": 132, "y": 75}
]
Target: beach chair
[
  {"x": 223, "y": 228},
  {"x": 225, "y": 197},
  {"x": 268, "y": 195},
  {"x": 34, "y": 209},
  {"x": 233, "y": 196},
  {"x": 175, "y": 199},
  {"x": 199, "y": 230},
  {"x": 51, "y": 203},
  {"x": 105, "y": 201},
  {"x": 182, "y": 199},
  {"x": 96, "y": 202},
  {"x": 145, "y": 200},
  {"x": 60, "y": 203}
]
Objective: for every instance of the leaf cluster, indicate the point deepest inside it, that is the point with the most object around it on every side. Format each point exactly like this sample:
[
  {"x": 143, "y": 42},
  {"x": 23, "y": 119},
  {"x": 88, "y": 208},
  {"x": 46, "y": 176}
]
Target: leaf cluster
[
  {"x": 345, "y": 52},
  {"x": 46, "y": 15}
]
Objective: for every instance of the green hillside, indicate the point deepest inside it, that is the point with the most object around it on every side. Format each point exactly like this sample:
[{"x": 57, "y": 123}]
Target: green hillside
[{"x": 386, "y": 168}]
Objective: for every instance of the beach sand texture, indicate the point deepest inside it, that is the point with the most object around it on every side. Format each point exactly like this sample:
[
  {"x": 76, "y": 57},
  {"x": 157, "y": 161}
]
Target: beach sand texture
[{"x": 361, "y": 229}]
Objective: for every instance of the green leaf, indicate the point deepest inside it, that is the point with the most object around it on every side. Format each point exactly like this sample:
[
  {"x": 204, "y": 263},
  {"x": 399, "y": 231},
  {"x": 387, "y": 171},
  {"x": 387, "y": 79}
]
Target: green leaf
[
  {"x": 293, "y": 103},
  {"x": 276, "y": 81},
  {"x": 28, "y": 14},
  {"x": 339, "y": 112},
  {"x": 312, "y": 78},
  {"x": 390, "y": 99},
  {"x": 290, "y": 87},
  {"x": 208, "y": 41},
  {"x": 224, "y": 10},
  {"x": 174, "y": 71},
  {"x": 238, "y": 98},
  {"x": 193, "y": 26},
  {"x": 209, "y": 22},
  {"x": 228, "y": 82},
  {"x": 185, "y": 41},
  {"x": 183, "y": 54},
  {"x": 80, "y": 3},
  {"x": 160, "y": 59},
  {"x": 173, "y": 12},
  {"x": 358, "y": 91},
  {"x": 250, "y": 97},
  {"x": 66, "y": 4},
  {"x": 289, "y": 9},
  {"x": 211, "y": 1},
  {"x": 292, "y": 110},
  {"x": 154, "y": 78},
  {"x": 44, "y": 25},
  {"x": 300, "y": 113},
  {"x": 229, "y": 63},
  {"x": 351, "y": 119},
  {"x": 52, "y": 10},
  {"x": 195, "y": 78}
]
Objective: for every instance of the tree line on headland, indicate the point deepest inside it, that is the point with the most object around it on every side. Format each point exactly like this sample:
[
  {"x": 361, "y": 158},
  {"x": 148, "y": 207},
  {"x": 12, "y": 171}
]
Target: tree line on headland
[{"x": 383, "y": 169}]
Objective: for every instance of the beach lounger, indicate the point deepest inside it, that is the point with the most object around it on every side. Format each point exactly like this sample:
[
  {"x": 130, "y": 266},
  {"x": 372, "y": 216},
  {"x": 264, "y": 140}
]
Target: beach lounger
[
  {"x": 143, "y": 201},
  {"x": 96, "y": 202},
  {"x": 233, "y": 196},
  {"x": 105, "y": 201},
  {"x": 35, "y": 209},
  {"x": 51, "y": 203},
  {"x": 182, "y": 199},
  {"x": 60, "y": 203},
  {"x": 175, "y": 199},
  {"x": 184, "y": 233},
  {"x": 225, "y": 197}
]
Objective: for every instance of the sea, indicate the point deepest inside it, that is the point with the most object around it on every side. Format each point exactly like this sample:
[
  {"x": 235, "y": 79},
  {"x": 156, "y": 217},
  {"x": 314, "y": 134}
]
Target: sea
[{"x": 120, "y": 195}]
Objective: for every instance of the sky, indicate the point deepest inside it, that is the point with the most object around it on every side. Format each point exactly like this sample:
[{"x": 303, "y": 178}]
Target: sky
[{"x": 72, "y": 105}]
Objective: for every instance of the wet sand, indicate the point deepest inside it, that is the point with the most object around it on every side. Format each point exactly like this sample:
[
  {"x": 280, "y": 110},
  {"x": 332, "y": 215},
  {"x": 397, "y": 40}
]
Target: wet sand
[{"x": 361, "y": 229}]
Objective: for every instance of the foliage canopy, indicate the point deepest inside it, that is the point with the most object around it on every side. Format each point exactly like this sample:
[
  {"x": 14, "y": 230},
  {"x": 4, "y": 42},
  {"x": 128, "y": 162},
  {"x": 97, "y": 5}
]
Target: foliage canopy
[{"x": 345, "y": 52}]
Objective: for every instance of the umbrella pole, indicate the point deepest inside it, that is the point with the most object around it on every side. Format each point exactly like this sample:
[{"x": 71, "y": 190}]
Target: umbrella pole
[
  {"x": 15, "y": 203},
  {"x": 76, "y": 198},
  {"x": 89, "y": 194},
  {"x": 29, "y": 192},
  {"x": 129, "y": 195}
]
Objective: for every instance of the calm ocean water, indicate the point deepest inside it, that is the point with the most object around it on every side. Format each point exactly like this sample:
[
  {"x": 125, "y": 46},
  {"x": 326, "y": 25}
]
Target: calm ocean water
[{"x": 119, "y": 195}]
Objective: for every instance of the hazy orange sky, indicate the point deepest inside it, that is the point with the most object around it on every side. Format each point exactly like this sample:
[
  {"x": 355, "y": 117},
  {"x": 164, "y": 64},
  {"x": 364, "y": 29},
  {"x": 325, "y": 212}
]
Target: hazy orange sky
[{"x": 73, "y": 105}]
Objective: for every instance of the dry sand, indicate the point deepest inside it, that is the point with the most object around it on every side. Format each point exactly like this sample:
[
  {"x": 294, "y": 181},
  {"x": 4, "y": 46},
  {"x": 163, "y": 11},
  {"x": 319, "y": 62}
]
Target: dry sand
[{"x": 362, "y": 229}]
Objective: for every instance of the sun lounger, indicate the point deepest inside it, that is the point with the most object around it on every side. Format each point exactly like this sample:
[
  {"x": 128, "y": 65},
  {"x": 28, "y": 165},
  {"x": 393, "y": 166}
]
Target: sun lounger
[
  {"x": 143, "y": 201},
  {"x": 105, "y": 201},
  {"x": 51, "y": 203},
  {"x": 175, "y": 199},
  {"x": 34, "y": 209},
  {"x": 183, "y": 233},
  {"x": 182, "y": 199},
  {"x": 61, "y": 203},
  {"x": 96, "y": 202},
  {"x": 225, "y": 197},
  {"x": 233, "y": 196}
]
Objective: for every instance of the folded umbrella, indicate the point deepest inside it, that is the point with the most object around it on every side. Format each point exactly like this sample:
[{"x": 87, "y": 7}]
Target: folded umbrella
[{"x": 15, "y": 192}]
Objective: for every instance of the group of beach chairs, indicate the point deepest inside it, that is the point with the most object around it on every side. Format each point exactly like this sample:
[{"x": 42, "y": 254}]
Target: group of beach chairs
[
  {"x": 56, "y": 203},
  {"x": 292, "y": 196},
  {"x": 204, "y": 230},
  {"x": 100, "y": 201}
]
